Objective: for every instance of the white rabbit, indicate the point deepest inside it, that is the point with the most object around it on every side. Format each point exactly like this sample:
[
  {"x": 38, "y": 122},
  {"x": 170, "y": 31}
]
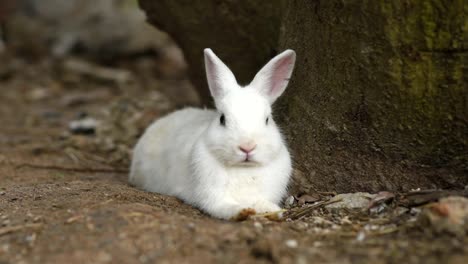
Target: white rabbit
[{"x": 227, "y": 161}]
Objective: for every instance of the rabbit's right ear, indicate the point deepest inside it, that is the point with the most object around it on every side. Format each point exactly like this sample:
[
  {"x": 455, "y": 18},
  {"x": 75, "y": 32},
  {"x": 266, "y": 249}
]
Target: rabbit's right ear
[
  {"x": 219, "y": 76},
  {"x": 273, "y": 78}
]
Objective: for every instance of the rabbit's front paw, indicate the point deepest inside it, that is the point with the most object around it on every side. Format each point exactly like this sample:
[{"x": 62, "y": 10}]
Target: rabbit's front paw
[{"x": 244, "y": 214}]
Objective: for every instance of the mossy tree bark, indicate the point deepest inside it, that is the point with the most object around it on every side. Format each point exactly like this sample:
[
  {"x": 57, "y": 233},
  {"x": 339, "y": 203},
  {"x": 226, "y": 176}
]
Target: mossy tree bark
[
  {"x": 379, "y": 87},
  {"x": 381, "y": 78}
]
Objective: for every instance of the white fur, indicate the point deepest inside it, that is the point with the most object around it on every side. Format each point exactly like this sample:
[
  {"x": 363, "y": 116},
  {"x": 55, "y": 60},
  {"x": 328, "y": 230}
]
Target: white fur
[{"x": 191, "y": 155}]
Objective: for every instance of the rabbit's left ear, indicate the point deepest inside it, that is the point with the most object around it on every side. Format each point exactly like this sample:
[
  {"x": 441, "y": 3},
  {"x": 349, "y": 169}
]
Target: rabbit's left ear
[
  {"x": 273, "y": 78},
  {"x": 219, "y": 76}
]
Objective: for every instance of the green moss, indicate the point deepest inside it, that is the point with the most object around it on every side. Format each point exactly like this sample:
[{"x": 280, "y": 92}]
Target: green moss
[
  {"x": 428, "y": 24},
  {"x": 422, "y": 37}
]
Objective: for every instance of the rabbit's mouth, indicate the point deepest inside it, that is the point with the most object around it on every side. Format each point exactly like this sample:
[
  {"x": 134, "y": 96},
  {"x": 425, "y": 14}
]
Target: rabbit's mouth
[{"x": 248, "y": 162}]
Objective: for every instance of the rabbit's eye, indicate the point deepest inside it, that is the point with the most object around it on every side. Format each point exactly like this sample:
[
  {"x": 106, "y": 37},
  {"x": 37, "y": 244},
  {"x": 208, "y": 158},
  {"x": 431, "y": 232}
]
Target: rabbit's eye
[
  {"x": 267, "y": 119},
  {"x": 222, "y": 120}
]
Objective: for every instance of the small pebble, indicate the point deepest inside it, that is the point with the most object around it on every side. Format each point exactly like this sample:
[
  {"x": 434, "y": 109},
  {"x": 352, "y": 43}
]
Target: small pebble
[
  {"x": 38, "y": 93},
  {"x": 5, "y": 247},
  {"x": 415, "y": 211},
  {"x": 345, "y": 221},
  {"x": 318, "y": 244},
  {"x": 378, "y": 209},
  {"x": 31, "y": 238},
  {"x": 302, "y": 226},
  {"x": 360, "y": 236},
  {"x": 290, "y": 200},
  {"x": 258, "y": 225},
  {"x": 291, "y": 243},
  {"x": 448, "y": 215}
]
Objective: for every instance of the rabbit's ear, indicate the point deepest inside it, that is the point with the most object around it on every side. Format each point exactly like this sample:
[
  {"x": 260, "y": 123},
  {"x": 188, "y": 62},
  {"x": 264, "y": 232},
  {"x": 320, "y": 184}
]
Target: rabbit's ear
[
  {"x": 273, "y": 78},
  {"x": 219, "y": 76}
]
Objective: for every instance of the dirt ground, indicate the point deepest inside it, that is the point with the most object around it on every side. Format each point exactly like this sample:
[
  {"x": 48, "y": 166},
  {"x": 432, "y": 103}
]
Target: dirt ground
[{"x": 64, "y": 196}]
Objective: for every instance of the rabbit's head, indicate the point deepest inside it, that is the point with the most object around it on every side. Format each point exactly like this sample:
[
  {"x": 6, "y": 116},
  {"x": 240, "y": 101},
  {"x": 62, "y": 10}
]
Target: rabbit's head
[{"x": 244, "y": 132}]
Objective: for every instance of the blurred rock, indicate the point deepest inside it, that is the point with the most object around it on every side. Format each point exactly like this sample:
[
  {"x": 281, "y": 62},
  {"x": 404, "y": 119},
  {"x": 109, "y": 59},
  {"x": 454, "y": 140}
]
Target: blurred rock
[
  {"x": 38, "y": 93},
  {"x": 86, "y": 126},
  {"x": 289, "y": 202},
  {"x": 104, "y": 28},
  {"x": 97, "y": 72},
  {"x": 449, "y": 215},
  {"x": 357, "y": 200},
  {"x": 291, "y": 243}
]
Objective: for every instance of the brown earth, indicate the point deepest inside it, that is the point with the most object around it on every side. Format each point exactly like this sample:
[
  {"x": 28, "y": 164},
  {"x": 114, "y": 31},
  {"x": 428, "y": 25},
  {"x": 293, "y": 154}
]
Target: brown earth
[{"x": 65, "y": 198}]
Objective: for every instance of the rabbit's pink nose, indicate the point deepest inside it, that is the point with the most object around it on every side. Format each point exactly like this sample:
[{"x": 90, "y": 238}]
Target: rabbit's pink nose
[{"x": 247, "y": 148}]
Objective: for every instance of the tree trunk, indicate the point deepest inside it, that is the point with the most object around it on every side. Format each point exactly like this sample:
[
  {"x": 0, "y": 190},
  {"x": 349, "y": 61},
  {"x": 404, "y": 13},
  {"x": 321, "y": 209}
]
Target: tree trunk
[
  {"x": 376, "y": 83},
  {"x": 379, "y": 87},
  {"x": 244, "y": 34}
]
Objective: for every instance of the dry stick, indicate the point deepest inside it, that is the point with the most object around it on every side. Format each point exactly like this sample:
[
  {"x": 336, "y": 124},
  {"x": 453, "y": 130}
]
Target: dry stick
[
  {"x": 327, "y": 193},
  {"x": 73, "y": 169},
  {"x": 412, "y": 199},
  {"x": 307, "y": 210}
]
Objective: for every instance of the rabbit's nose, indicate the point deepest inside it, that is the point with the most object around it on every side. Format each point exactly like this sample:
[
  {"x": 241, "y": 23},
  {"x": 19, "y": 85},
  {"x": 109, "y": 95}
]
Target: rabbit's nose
[{"x": 247, "y": 148}]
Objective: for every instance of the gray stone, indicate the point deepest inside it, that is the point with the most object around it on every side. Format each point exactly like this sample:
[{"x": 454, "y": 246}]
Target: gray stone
[{"x": 359, "y": 200}]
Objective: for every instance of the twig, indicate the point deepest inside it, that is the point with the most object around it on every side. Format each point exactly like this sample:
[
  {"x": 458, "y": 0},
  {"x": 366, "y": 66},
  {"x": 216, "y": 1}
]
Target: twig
[
  {"x": 73, "y": 169},
  {"x": 327, "y": 193},
  {"x": 386, "y": 231},
  {"x": 418, "y": 198},
  {"x": 308, "y": 209},
  {"x": 73, "y": 219},
  {"x": 11, "y": 229}
]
